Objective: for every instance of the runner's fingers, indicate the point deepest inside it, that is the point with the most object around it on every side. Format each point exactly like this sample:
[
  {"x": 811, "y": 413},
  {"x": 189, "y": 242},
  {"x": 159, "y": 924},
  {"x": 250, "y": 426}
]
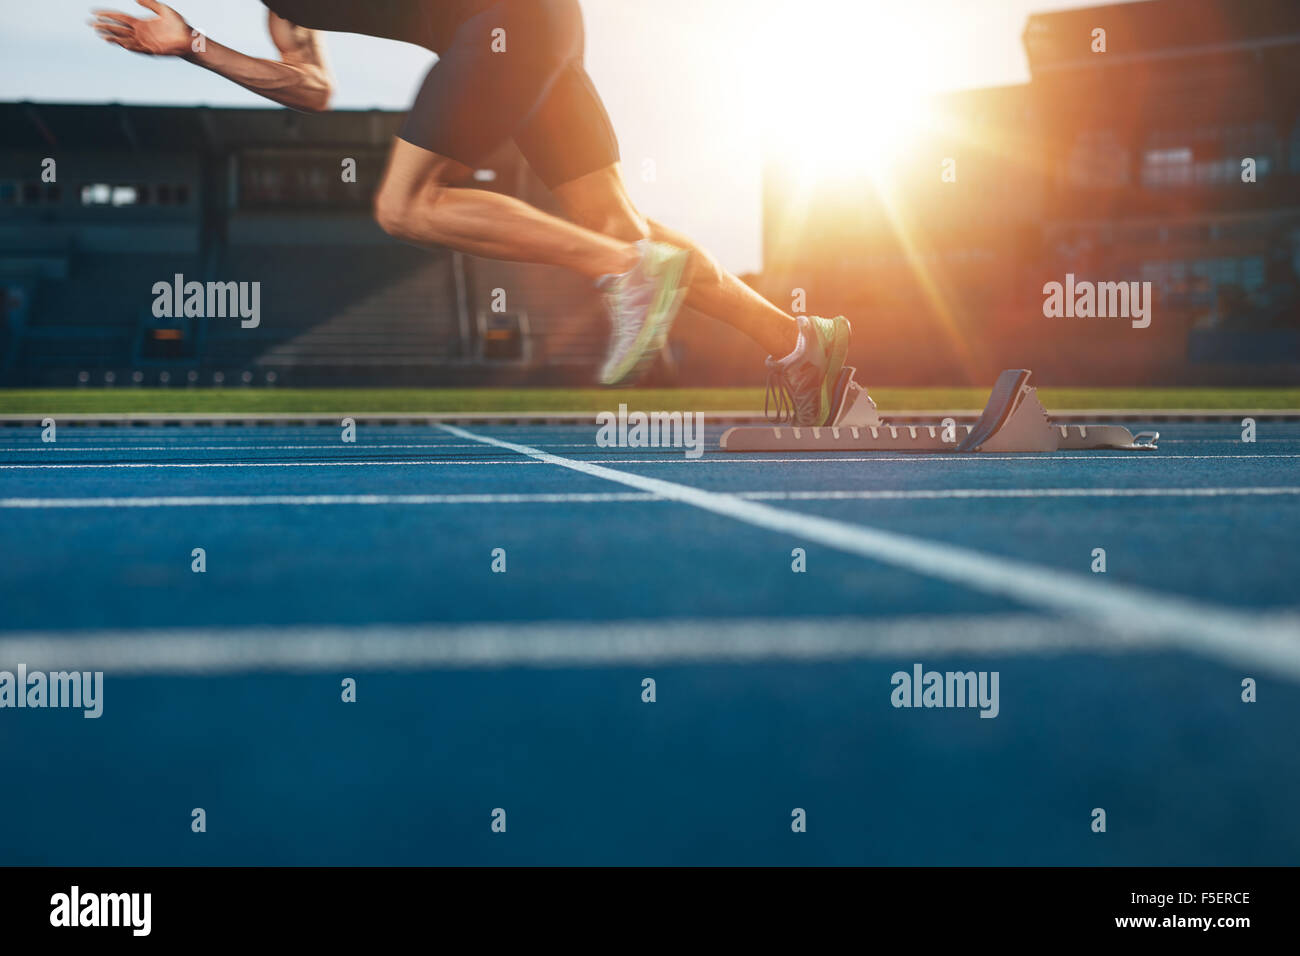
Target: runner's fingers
[
  {"x": 104, "y": 27},
  {"x": 116, "y": 16}
]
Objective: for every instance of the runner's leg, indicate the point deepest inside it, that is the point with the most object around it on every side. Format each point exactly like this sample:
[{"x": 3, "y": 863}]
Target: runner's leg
[
  {"x": 600, "y": 201},
  {"x": 569, "y": 141},
  {"x": 473, "y": 100},
  {"x": 420, "y": 203}
]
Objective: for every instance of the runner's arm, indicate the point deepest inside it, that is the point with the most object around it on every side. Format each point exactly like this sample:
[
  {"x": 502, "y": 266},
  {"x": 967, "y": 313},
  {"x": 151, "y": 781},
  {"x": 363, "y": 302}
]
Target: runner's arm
[{"x": 300, "y": 79}]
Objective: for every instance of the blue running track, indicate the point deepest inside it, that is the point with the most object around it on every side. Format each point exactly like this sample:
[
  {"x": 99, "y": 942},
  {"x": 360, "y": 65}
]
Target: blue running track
[{"x": 522, "y": 690}]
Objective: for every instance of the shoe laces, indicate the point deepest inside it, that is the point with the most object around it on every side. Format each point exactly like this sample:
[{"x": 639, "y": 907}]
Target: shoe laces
[{"x": 789, "y": 397}]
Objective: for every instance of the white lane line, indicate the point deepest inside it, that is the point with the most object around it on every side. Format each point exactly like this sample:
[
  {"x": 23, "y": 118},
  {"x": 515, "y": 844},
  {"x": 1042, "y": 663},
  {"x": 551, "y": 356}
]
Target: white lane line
[
  {"x": 337, "y": 463},
  {"x": 921, "y": 494},
  {"x": 553, "y": 644},
  {"x": 822, "y": 458},
  {"x": 938, "y": 494},
  {"x": 1100, "y": 455},
  {"x": 319, "y": 446},
  {"x": 1236, "y": 636},
  {"x": 919, "y": 458},
  {"x": 245, "y": 501}
]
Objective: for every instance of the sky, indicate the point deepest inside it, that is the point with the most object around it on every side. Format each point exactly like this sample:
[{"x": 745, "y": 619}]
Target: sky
[{"x": 684, "y": 80}]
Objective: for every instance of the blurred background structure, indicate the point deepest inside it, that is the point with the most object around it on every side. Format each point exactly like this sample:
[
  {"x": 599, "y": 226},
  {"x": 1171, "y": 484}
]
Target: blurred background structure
[
  {"x": 1117, "y": 166},
  {"x": 247, "y": 195}
]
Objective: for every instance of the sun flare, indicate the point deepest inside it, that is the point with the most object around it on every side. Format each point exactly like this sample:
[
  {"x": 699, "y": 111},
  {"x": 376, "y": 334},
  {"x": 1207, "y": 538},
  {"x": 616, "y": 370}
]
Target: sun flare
[{"x": 850, "y": 96}]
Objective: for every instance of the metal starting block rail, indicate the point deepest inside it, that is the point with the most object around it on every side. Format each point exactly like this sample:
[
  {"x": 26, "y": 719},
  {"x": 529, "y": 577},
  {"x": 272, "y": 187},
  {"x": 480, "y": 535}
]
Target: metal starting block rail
[{"x": 1014, "y": 420}]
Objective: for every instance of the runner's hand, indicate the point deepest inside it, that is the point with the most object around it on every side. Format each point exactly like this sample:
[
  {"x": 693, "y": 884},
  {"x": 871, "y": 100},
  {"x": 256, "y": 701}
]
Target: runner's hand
[{"x": 165, "y": 35}]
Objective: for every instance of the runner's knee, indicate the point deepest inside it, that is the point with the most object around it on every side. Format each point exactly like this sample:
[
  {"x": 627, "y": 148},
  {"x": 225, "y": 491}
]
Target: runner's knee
[
  {"x": 406, "y": 215},
  {"x": 615, "y": 221},
  {"x": 599, "y": 202}
]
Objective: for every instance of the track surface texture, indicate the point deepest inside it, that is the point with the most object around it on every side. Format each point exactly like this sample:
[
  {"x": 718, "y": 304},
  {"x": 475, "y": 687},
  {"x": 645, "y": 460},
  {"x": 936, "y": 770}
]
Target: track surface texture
[{"x": 522, "y": 690}]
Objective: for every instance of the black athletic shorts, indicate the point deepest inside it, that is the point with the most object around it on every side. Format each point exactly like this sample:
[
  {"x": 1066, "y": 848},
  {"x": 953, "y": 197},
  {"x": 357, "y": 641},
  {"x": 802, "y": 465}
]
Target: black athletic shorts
[{"x": 478, "y": 95}]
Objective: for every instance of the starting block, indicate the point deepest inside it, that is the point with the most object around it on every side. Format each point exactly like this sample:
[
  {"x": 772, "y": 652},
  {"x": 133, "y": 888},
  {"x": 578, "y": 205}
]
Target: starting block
[{"x": 1013, "y": 421}]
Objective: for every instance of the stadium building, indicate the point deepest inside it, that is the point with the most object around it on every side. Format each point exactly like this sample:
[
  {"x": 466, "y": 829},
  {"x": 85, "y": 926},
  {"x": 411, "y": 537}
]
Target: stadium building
[
  {"x": 99, "y": 204},
  {"x": 1117, "y": 166}
]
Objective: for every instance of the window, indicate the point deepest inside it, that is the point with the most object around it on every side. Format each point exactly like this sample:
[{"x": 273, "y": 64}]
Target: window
[
  {"x": 1098, "y": 160},
  {"x": 126, "y": 194},
  {"x": 1167, "y": 167},
  {"x": 96, "y": 194},
  {"x": 106, "y": 194},
  {"x": 1202, "y": 278},
  {"x": 304, "y": 178},
  {"x": 1209, "y": 155},
  {"x": 29, "y": 194}
]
